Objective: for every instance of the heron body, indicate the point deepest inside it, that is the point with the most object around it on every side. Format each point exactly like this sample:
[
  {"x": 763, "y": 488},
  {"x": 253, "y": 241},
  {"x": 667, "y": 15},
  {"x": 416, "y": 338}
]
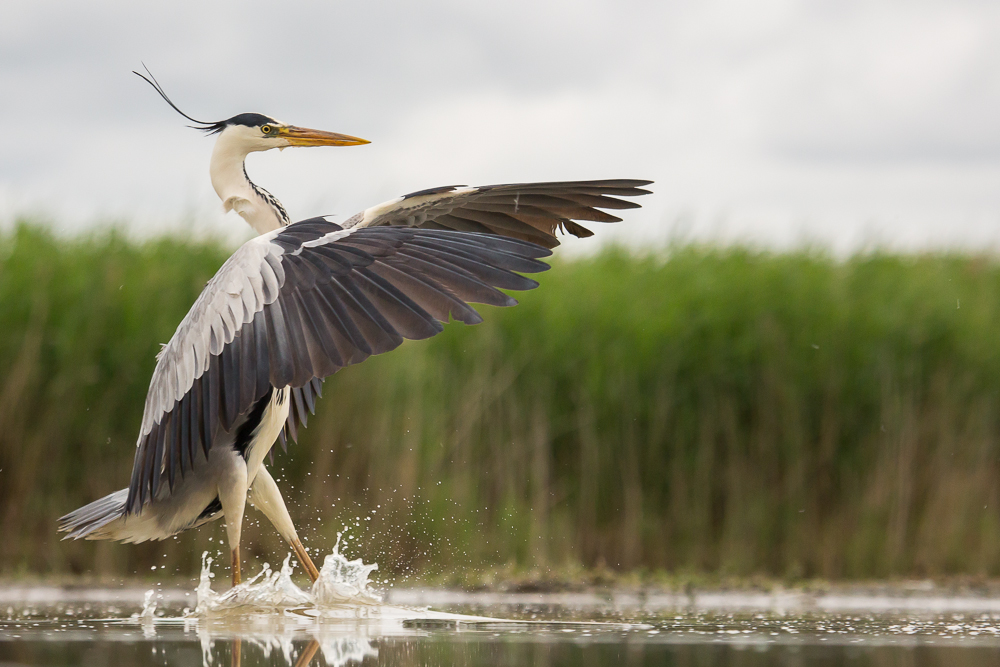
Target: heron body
[{"x": 299, "y": 302}]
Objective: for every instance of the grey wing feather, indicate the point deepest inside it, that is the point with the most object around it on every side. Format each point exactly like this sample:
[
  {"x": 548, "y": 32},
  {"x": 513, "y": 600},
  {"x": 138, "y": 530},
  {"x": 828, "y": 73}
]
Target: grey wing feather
[
  {"x": 528, "y": 211},
  {"x": 297, "y": 304}
]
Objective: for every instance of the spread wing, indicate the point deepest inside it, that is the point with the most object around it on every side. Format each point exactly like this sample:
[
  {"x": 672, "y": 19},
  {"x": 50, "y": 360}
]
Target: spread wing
[
  {"x": 528, "y": 211},
  {"x": 298, "y": 304}
]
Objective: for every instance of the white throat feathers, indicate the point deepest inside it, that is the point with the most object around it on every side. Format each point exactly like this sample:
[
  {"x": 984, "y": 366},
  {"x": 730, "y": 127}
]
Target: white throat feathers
[{"x": 257, "y": 206}]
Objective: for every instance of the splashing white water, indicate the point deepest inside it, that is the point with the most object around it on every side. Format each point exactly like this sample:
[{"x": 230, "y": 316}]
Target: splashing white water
[
  {"x": 270, "y": 590},
  {"x": 341, "y": 582},
  {"x": 148, "y": 612}
]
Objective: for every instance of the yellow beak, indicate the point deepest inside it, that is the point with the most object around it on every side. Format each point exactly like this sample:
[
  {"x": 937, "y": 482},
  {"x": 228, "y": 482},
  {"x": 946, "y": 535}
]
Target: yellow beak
[{"x": 302, "y": 136}]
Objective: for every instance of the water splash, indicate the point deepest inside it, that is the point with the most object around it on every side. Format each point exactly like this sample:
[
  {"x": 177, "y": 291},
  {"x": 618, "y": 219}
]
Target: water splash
[
  {"x": 148, "y": 612},
  {"x": 266, "y": 590},
  {"x": 205, "y": 596},
  {"x": 341, "y": 582}
]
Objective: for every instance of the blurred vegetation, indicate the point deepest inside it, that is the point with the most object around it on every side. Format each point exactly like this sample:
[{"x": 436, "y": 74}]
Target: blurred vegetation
[{"x": 698, "y": 411}]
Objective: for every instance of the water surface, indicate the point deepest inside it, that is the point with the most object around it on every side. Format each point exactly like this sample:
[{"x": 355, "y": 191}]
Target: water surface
[{"x": 343, "y": 621}]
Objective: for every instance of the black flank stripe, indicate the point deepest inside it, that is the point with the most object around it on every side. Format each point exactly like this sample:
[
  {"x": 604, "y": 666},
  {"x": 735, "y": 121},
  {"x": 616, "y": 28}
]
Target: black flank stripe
[{"x": 244, "y": 434}]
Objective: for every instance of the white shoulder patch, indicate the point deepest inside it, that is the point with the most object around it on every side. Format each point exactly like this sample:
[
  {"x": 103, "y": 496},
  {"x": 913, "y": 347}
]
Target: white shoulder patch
[{"x": 379, "y": 210}]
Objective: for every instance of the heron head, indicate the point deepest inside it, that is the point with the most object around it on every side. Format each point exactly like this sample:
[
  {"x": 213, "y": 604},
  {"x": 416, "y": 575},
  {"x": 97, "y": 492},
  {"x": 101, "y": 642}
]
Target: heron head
[{"x": 257, "y": 132}]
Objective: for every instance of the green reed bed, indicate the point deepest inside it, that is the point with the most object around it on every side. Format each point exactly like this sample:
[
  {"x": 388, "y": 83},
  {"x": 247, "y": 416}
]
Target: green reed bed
[{"x": 700, "y": 410}]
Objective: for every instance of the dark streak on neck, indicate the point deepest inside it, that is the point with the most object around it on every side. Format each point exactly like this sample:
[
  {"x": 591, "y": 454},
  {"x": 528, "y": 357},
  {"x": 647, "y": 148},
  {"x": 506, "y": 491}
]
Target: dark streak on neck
[{"x": 271, "y": 200}]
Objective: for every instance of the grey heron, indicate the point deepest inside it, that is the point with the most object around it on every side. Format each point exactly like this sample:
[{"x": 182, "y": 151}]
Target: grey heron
[{"x": 302, "y": 300}]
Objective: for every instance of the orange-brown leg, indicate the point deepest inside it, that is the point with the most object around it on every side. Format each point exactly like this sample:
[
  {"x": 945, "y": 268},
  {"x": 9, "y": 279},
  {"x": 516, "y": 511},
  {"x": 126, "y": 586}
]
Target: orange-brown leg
[
  {"x": 265, "y": 496},
  {"x": 304, "y": 559},
  {"x": 233, "y": 496},
  {"x": 236, "y": 565}
]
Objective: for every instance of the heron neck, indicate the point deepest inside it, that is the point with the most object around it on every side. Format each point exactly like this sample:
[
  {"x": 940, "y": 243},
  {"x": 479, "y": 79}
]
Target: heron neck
[{"x": 257, "y": 206}]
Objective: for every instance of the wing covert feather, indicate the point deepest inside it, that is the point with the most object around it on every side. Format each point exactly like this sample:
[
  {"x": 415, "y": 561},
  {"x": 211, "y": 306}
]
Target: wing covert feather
[{"x": 529, "y": 211}]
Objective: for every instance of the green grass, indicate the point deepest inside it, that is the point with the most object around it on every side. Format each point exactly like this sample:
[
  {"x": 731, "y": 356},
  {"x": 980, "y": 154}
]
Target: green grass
[{"x": 702, "y": 411}]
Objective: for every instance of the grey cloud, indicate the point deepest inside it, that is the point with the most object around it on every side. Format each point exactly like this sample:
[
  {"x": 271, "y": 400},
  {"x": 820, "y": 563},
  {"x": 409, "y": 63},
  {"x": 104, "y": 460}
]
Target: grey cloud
[{"x": 735, "y": 106}]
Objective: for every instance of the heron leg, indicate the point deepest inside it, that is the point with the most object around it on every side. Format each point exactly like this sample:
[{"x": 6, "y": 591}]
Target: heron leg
[
  {"x": 265, "y": 496},
  {"x": 233, "y": 496},
  {"x": 307, "y": 653}
]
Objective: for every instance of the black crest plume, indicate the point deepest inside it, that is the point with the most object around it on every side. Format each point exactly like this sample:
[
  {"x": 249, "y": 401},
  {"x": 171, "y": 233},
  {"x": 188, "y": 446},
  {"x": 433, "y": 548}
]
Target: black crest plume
[{"x": 211, "y": 128}]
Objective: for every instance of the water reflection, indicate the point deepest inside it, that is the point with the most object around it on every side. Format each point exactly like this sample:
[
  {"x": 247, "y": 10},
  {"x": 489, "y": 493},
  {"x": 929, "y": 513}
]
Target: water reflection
[
  {"x": 336, "y": 653},
  {"x": 269, "y": 616},
  {"x": 289, "y": 638},
  {"x": 340, "y": 634}
]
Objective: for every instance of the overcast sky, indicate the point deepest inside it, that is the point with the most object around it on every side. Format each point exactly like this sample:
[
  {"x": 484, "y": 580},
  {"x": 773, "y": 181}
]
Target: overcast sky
[{"x": 841, "y": 123}]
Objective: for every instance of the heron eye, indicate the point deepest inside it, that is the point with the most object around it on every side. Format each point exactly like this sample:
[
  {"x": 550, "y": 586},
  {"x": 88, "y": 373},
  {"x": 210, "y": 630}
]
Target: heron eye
[{"x": 266, "y": 129}]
